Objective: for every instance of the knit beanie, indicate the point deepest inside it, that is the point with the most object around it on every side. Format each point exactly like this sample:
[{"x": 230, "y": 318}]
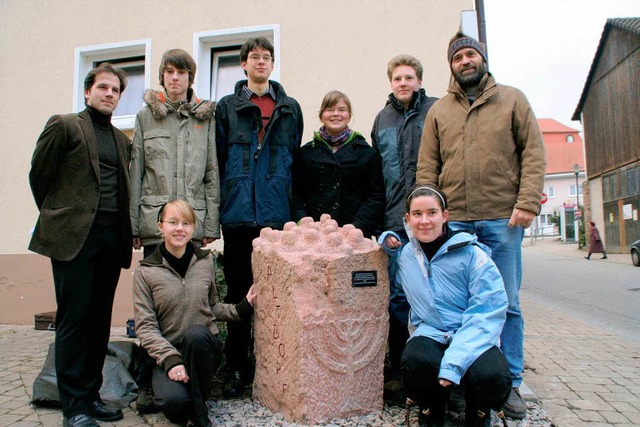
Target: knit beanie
[{"x": 462, "y": 42}]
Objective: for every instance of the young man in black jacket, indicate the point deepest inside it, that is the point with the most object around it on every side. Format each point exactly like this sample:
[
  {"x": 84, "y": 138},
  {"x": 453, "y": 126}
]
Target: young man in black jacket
[{"x": 258, "y": 131}]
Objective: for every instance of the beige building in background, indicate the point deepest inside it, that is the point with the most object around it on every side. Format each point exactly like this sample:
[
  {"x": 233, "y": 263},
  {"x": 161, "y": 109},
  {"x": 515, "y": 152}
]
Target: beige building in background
[{"x": 49, "y": 46}]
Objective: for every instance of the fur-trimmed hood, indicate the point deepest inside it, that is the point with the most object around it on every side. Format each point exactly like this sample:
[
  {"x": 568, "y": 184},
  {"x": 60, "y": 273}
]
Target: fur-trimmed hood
[{"x": 160, "y": 107}]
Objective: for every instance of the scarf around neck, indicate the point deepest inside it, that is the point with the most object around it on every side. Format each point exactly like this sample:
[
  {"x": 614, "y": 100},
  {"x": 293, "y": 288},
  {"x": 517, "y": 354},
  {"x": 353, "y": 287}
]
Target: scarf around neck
[{"x": 335, "y": 140}]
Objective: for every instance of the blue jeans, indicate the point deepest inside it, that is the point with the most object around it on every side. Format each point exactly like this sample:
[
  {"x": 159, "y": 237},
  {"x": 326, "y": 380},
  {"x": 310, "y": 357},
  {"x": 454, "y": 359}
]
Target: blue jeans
[{"x": 506, "y": 251}]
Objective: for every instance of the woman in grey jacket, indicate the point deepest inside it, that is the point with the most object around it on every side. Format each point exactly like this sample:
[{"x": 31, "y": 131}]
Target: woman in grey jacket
[{"x": 176, "y": 307}]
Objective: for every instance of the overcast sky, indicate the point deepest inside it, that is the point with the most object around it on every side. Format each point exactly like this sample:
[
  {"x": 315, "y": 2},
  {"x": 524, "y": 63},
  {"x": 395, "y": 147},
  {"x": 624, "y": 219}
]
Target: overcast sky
[{"x": 545, "y": 48}]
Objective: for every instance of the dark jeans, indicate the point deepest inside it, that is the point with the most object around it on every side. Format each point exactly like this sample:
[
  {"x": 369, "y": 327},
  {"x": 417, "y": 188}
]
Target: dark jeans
[
  {"x": 238, "y": 247},
  {"x": 85, "y": 287},
  {"x": 398, "y": 312},
  {"x": 202, "y": 354},
  {"x": 487, "y": 381}
]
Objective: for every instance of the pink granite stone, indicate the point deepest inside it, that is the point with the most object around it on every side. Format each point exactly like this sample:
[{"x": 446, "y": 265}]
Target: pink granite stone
[{"x": 319, "y": 341}]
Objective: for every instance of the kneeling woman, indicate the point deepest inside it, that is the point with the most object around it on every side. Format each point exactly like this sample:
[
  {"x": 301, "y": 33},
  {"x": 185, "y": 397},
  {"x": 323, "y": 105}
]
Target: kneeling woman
[
  {"x": 176, "y": 307},
  {"x": 458, "y": 308}
]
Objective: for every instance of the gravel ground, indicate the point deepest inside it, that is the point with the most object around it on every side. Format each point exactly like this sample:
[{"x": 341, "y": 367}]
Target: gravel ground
[{"x": 248, "y": 413}]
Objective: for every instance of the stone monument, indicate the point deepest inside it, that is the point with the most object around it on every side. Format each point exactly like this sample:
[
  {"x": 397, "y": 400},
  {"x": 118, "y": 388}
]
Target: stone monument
[{"x": 321, "y": 321}]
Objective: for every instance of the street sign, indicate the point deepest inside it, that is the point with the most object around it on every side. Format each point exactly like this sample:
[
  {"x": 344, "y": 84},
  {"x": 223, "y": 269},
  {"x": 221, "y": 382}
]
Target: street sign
[{"x": 544, "y": 198}]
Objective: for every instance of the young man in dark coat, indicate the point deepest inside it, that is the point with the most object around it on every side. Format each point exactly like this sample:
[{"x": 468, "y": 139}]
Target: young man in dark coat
[
  {"x": 80, "y": 183},
  {"x": 258, "y": 131},
  {"x": 396, "y": 135}
]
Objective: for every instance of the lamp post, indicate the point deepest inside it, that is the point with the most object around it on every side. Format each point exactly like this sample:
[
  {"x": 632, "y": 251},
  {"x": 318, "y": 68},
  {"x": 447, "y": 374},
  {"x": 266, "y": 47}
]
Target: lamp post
[{"x": 576, "y": 171}]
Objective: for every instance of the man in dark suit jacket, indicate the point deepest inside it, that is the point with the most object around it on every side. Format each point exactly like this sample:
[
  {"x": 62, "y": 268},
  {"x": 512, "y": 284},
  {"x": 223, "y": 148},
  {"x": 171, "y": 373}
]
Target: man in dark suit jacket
[{"x": 79, "y": 179}]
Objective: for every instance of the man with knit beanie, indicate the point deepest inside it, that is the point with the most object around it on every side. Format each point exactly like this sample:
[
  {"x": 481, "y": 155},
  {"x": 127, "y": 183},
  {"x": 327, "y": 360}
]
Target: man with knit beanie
[{"x": 482, "y": 146}]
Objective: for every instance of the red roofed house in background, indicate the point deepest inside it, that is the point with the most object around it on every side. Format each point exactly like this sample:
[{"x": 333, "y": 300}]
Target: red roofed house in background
[{"x": 564, "y": 151}]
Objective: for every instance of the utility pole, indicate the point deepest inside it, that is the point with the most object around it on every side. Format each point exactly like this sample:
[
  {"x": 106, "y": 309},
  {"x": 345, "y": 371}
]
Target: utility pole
[{"x": 482, "y": 27}]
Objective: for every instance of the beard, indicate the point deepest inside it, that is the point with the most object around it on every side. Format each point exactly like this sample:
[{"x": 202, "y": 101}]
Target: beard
[{"x": 470, "y": 80}]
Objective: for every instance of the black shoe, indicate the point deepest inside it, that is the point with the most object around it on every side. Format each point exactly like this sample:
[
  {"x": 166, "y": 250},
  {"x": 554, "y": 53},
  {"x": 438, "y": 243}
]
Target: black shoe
[
  {"x": 80, "y": 420},
  {"x": 604, "y": 257},
  {"x": 144, "y": 402},
  {"x": 480, "y": 418},
  {"x": 456, "y": 401},
  {"x": 234, "y": 386},
  {"x": 393, "y": 391},
  {"x": 100, "y": 412},
  {"x": 428, "y": 419},
  {"x": 586, "y": 257}
]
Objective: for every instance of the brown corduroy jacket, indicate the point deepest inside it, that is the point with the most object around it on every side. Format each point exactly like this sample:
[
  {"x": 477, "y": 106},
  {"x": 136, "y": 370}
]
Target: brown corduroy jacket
[{"x": 487, "y": 157}]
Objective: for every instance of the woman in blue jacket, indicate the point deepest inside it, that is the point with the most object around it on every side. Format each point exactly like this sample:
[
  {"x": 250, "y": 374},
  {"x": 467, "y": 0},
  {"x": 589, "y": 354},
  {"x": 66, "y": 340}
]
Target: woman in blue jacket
[
  {"x": 338, "y": 172},
  {"x": 458, "y": 308}
]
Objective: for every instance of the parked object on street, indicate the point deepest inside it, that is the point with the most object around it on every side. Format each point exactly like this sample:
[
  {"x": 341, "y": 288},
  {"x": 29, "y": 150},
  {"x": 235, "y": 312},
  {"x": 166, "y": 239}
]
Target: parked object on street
[
  {"x": 45, "y": 321},
  {"x": 635, "y": 253}
]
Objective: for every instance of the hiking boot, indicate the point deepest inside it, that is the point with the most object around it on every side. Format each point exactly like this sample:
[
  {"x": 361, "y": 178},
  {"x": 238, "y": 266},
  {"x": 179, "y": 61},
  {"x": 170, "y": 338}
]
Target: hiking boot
[
  {"x": 456, "y": 402},
  {"x": 515, "y": 407},
  {"x": 144, "y": 402}
]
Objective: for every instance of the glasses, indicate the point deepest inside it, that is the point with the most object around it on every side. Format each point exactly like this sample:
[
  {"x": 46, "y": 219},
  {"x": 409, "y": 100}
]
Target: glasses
[
  {"x": 175, "y": 223},
  {"x": 265, "y": 58},
  {"x": 340, "y": 110}
]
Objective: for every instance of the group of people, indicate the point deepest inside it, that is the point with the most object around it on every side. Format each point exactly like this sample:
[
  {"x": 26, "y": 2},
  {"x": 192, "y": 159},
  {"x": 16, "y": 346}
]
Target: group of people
[{"x": 454, "y": 182}]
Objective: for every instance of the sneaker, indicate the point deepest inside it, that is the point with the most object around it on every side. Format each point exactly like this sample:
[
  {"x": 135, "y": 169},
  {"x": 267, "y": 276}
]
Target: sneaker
[
  {"x": 515, "y": 407},
  {"x": 456, "y": 402},
  {"x": 144, "y": 402},
  {"x": 604, "y": 257}
]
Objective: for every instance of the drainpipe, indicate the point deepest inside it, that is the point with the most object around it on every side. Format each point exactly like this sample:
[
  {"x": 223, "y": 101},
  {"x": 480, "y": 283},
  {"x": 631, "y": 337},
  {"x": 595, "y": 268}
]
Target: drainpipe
[{"x": 482, "y": 27}]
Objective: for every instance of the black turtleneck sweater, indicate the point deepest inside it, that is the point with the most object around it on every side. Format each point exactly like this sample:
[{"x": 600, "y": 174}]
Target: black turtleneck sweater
[
  {"x": 180, "y": 265},
  {"x": 430, "y": 248},
  {"x": 108, "y": 155}
]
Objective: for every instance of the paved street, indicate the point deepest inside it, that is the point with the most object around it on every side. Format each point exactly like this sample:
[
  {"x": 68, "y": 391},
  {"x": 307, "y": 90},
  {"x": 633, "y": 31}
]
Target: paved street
[
  {"x": 582, "y": 373},
  {"x": 605, "y": 293}
]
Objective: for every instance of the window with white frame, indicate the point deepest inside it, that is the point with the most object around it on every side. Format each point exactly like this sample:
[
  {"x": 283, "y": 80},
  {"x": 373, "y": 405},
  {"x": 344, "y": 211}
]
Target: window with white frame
[
  {"x": 133, "y": 57},
  {"x": 551, "y": 192},
  {"x": 226, "y": 70},
  {"x": 569, "y": 139},
  {"x": 572, "y": 190},
  {"x": 545, "y": 219},
  {"x": 218, "y": 56}
]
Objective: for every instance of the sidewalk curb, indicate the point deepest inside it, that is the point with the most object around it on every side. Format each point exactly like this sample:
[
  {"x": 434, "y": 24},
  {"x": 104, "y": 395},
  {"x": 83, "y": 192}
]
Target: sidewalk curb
[{"x": 527, "y": 394}]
